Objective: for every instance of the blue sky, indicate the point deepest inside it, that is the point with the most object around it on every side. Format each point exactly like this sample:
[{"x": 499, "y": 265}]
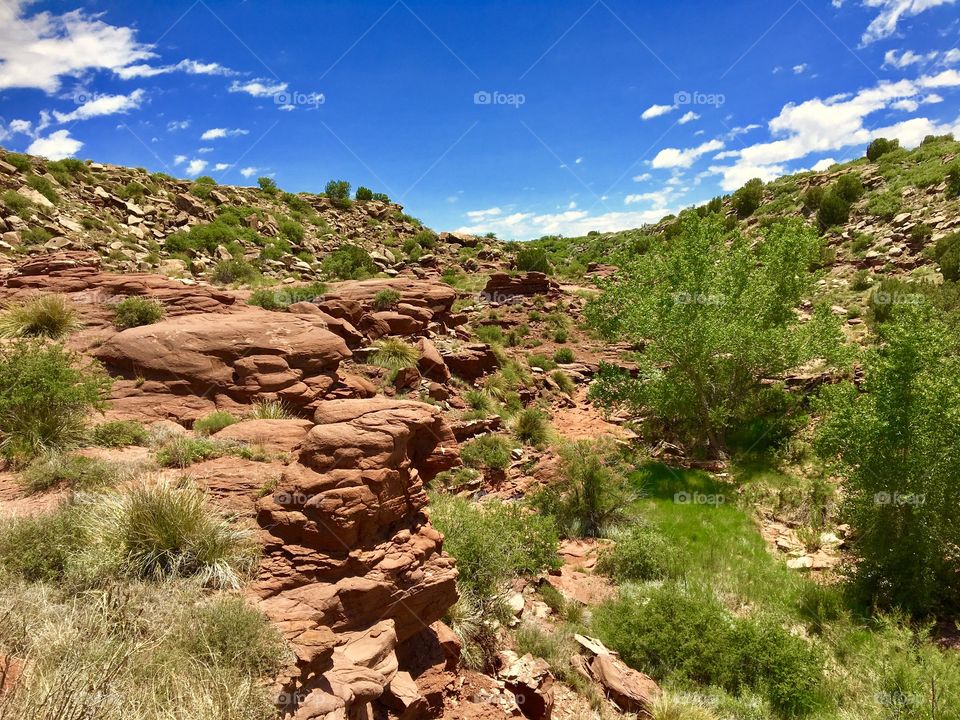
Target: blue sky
[{"x": 523, "y": 118}]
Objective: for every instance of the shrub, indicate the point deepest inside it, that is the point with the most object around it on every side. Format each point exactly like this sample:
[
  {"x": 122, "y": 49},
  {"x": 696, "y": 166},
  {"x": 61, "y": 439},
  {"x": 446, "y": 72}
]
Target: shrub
[
  {"x": 479, "y": 401},
  {"x": 564, "y": 356},
  {"x": 349, "y": 262},
  {"x": 834, "y": 210},
  {"x": 291, "y": 230},
  {"x": 40, "y": 547},
  {"x": 531, "y": 426},
  {"x": 226, "y": 231},
  {"x": 492, "y": 542},
  {"x": 849, "y": 187},
  {"x": 920, "y": 233},
  {"x": 490, "y": 452},
  {"x": 214, "y": 422},
  {"x": 640, "y": 553},
  {"x": 540, "y": 361},
  {"x": 748, "y": 198},
  {"x": 689, "y": 635},
  {"x": 364, "y": 194},
  {"x": 592, "y": 495},
  {"x": 34, "y": 236},
  {"x": 532, "y": 260},
  {"x": 202, "y": 187},
  {"x": 861, "y": 280},
  {"x": 132, "y": 191},
  {"x": 563, "y": 381},
  {"x": 44, "y": 187},
  {"x": 281, "y": 298},
  {"x": 158, "y": 532},
  {"x": 947, "y": 253},
  {"x": 119, "y": 433},
  {"x": 17, "y": 204},
  {"x": 339, "y": 192},
  {"x": 73, "y": 471},
  {"x": 884, "y": 205},
  {"x": 137, "y": 311},
  {"x": 50, "y": 316},
  {"x": 270, "y": 410},
  {"x": 385, "y": 299},
  {"x": 489, "y": 334},
  {"x": 234, "y": 270},
  {"x": 900, "y": 486},
  {"x": 813, "y": 196},
  {"x": 394, "y": 354},
  {"x": 19, "y": 161},
  {"x": 267, "y": 185},
  {"x": 44, "y": 397},
  {"x": 880, "y": 147},
  {"x": 953, "y": 181},
  {"x": 183, "y": 451}
]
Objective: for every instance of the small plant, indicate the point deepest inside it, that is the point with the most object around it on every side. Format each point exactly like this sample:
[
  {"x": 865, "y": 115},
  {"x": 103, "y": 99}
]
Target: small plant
[
  {"x": 541, "y": 361},
  {"x": 17, "y": 204},
  {"x": 834, "y": 210},
  {"x": 119, "y": 433},
  {"x": 137, "y": 311},
  {"x": 72, "y": 471},
  {"x": 267, "y": 185},
  {"x": 214, "y": 422},
  {"x": 291, "y": 230},
  {"x": 270, "y": 410},
  {"x": 50, "y": 316},
  {"x": 339, "y": 193},
  {"x": 861, "y": 280},
  {"x": 489, "y": 334},
  {"x": 640, "y": 554},
  {"x": 849, "y": 187},
  {"x": 747, "y": 199},
  {"x": 953, "y": 181},
  {"x": 563, "y": 356},
  {"x": 487, "y": 452},
  {"x": 349, "y": 262},
  {"x": 479, "y": 401},
  {"x": 44, "y": 187},
  {"x": 533, "y": 260},
  {"x": 385, "y": 299},
  {"x": 394, "y": 354},
  {"x": 281, "y": 298},
  {"x": 19, "y": 161},
  {"x": 183, "y": 451},
  {"x": 234, "y": 270},
  {"x": 532, "y": 427},
  {"x": 564, "y": 382}
]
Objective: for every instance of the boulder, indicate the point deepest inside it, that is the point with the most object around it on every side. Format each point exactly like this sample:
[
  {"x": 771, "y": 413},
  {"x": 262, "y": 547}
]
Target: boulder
[
  {"x": 435, "y": 295},
  {"x": 471, "y": 361},
  {"x": 530, "y": 681},
  {"x": 502, "y": 287},
  {"x": 282, "y": 436},
  {"x": 431, "y": 364},
  {"x": 632, "y": 691}
]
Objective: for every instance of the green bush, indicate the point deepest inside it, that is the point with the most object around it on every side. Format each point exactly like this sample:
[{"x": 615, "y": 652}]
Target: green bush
[
  {"x": 227, "y": 231},
  {"x": 363, "y": 194},
  {"x": 834, "y": 210},
  {"x": 234, "y": 270},
  {"x": 44, "y": 187},
  {"x": 592, "y": 495},
  {"x": 40, "y": 547},
  {"x": 492, "y": 543},
  {"x": 44, "y": 398},
  {"x": 49, "y": 316},
  {"x": 214, "y": 422},
  {"x": 349, "y": 262},
  {"x": 339, "y": 192},
  {"x": 203, "y": 186},
  {"x": 291, "y": 230},
  {"x": 861, "y": 280},
  {"x": 532, "y": 427},
  {"x": 19, "y": 161},
  {"x": 849, "y": 187},
  {"x": 953, "y": 181},
  {"x": 813, "y": 196},
  {"x": 34, "y": 236},
  {"x": 880, "y": 147},
  {"x": 490, "y": 452},
  {"x": 137, "y": 311},
  {"x": 282, "y": 297},
  {"x": 119, "y": 433},
  {"x": 563, "y": 381},
  {"x": 394, "y": 354},
  {"x": 535, "y": 360},
  {"x": 183, "y": 451},
  {"x": 947, "y": 253},
  {"x": 17, "y": 204},
  {"x": 267, "y": 185},
  {"x": 489, "y": 334},
  {"x": 270, "y": 410},
  {"x": 532, "y": 260},
  {"x": 72, "y": 471},
  {"x": 385, "y": 299},
  {"x": 640, "y": 554},
  {"x": 689, "y": 635},
  {"x": 884, "y": 205},
  {"x": 748, "y": 198}
]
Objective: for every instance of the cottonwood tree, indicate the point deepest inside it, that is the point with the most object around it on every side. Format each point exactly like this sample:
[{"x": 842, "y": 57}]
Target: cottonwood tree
[
  {"x": 716, "y": 316},
  {"x": 896, "y": 443}
]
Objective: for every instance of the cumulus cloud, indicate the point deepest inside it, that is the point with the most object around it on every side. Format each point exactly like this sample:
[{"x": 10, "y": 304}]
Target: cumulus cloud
[
  {"x": 219, "y": 167},
  {"x": 572, "y": 223},
  {"x": 891, "y": 13},
  {"x": 248, "y": 172},
  {"x": 258, "y": 87},
  {"x": 689, "y": 116},
  {"x": 217, "y": 133},
  {"x": 179, "y": 159},
  {"x": 677, "y": 158},
  {"x": 196, "y": 166},
  {"x": 656, "y": 111},
  {"x": 484, "y": 214},
  {"x": 56, "y": 146},
  {"x": 103, "y": 105},
  {"x": 901, "y": 60},
  {"x": 175, "y": 125},
  {"x": 39, "y": 50},
  {"x": 800, "y": 69}
]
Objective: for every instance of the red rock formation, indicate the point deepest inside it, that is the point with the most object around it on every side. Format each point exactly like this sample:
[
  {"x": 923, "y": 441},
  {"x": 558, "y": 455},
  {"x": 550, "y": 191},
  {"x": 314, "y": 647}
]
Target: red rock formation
[{"x": 501, "y": 287}]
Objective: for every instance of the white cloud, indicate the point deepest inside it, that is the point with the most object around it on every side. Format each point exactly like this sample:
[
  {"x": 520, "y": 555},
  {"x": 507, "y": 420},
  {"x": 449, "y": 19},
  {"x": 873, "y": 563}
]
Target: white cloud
[
  {"x": 56, "y": 146},
  {"x": 20, "y": 126},
  {"x": 484, "y": 214},
  {"x": 287, "y": 108},
  {"x": 572, "y": 223},
  {"x": 891, "y": 12},
  {"x": 578, "y": 161},
  {"x": 177, "y": 125},
  {"x": 179, "y": 159},
  {"x": 658, "y": 199},
  {"x": 656, "y": 111},
  {"x": 901, "y": 60},
  {"x": 677, "y": 158},
  {"x": 103, "y": 105},
  {"x": 217, "y": 133},
  {"x": 824, "y": 164},
  {"x": 248, "y": 172},
  {"x": 205, "y": 150},
  {"x": 799, "y": 69},
  {"x": 642, "y": 177},
  {"x": 191, "y": 67},
  {"x": 951, "y": 57},
  {"x": 689, "y": 116},
  {"x": 38, "y": 51},
  {"x": 196, "y": 166},
  {"x": 258, "y": 87},
  {"x": 221, "y": 166}
]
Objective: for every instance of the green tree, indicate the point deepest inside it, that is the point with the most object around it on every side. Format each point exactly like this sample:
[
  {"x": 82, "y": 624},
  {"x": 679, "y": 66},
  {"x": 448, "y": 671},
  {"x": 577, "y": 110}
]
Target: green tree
[
  {"x": 364, "y": 194},
  {"x": 339, "y": 192},
  {"x": 879, "y": 147},
  {"x": 716, "y": 317},
  {"x": 896, "y": 442},
  {"x": 747, "y": 199}
]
